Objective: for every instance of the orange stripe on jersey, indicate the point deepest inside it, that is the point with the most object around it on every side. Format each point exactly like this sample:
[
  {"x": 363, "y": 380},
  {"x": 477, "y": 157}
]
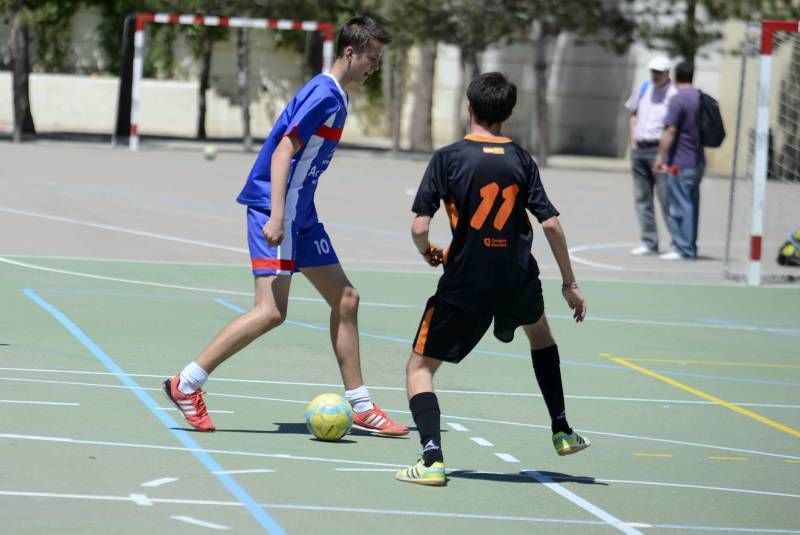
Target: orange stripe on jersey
[
  {"x": 272, "y": 263},
  {"x": 452, "y": 212},
  {"x": 422, "y": 337},
  {"x": 487, "y": 139}
]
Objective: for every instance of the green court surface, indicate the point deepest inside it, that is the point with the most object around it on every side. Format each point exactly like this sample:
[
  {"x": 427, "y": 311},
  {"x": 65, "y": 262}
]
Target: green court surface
[
  {"x": 116, "y": 269},
  {"x": 88, "y": 444}
]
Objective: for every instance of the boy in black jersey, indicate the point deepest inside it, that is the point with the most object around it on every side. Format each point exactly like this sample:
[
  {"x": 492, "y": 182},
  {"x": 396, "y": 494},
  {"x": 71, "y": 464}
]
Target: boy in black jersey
[{"x": 488, "y": 183}]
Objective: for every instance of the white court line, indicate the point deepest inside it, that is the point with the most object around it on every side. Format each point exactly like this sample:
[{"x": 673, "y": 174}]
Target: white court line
[
  {"x": 429, "y": 272},
  {"x": 209, "y": 410},
  {"x": 201, "y": 523},
  {"x": 464, "y": 418},
  {"x": 28, "y": 402},
  {"x": 691, "y": 325},
  {"x": 587, "y": 506},
  {"x": 365, "y": 469},
  {"x": 288, "y": 456},
  {"x": 398, "y": 389},
  {"x": 481, "y": 441},
  {"x": 455, "y": 426},
  {"x": 125, "y": 230},
  {"x": 394, "y": 512},
  {"x": 507, "y": 457},
  {"x": 159, "y": 482},
  {"x": 251, "y": 471},
  {"x": 188, "y": 288},
  {"x": 141, "y": 499},
  {"x": 311, "y": 507}
]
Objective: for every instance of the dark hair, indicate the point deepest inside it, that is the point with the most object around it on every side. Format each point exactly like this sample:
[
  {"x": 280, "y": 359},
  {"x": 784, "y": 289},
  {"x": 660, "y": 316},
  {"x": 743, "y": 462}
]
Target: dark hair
[
  {"x": 492, "y": 97},
  {"x": 357, "y": 33},
  {"x": 684, "y": 72}
]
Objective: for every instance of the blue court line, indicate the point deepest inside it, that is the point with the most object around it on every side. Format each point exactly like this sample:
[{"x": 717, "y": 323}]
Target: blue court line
[
  {"x": 257, "y": 512},
  {"x": 326, "y": 329}
]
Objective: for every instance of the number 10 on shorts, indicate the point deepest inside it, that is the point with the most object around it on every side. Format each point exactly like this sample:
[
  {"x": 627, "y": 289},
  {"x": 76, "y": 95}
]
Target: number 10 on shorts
[{"x": 323, "y": 247}]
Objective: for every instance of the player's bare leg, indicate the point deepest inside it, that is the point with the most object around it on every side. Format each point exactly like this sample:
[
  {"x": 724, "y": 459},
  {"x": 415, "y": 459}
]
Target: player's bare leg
[
  {"x": 546, "y": 366},
  {"x": 334, "y": 286},
  {"x": 419, "y": 374},
  {"x": 269, "y": 311},
  {"x": 424, "y": 405},
  {"x": 539, "y": 334}
]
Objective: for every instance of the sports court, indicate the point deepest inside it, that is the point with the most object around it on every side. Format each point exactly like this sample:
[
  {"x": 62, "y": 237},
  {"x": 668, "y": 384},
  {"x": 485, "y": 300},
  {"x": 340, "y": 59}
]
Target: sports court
[{"x": 116, "y": 268}]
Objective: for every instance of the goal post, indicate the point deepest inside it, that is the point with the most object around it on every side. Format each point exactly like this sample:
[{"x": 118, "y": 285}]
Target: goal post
[
  {"x": 769, "y": 29},
  {"x": 143, "y": 19}
]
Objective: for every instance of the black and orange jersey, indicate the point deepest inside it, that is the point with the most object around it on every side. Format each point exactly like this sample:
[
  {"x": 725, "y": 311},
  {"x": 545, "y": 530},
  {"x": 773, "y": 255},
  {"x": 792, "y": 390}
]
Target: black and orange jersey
[{"x": 486, "y": 183}]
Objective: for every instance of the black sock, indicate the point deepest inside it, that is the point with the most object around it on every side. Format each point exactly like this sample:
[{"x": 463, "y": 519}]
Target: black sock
[
  {"x": 548, "y": 375},
  {"x": 425, "y": 410}
]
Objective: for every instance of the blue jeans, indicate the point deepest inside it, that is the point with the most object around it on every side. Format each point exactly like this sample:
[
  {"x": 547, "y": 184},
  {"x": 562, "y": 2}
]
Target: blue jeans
[{"x": 684, "y": 209}]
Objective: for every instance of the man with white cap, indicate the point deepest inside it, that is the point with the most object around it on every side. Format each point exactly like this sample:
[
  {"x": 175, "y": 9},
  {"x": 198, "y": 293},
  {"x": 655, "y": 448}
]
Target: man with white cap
[{"x": 648, "y": 107}]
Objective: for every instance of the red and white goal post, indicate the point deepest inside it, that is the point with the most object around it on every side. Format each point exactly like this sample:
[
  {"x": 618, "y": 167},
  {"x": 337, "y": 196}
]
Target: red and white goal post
[
  {"x": 770, "y": 29},
  {"x": 143, "y": 19}
]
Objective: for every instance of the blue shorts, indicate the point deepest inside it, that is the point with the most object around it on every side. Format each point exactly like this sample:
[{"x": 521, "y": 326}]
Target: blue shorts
[{"x": 301, "y": 248}]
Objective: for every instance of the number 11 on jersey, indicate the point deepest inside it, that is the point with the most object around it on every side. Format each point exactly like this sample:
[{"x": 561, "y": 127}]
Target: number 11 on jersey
[{"x": 488, "y": 196}]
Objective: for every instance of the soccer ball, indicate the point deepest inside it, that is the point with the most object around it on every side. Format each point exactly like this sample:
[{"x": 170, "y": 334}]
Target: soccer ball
[
  {"x": 329, "y": 417},
  {"x": 210, "y": 152}
]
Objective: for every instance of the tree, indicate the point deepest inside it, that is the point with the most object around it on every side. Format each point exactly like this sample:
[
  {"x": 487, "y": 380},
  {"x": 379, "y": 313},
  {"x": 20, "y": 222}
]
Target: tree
[
  {"x": 20, "y": 66},
  {"x": 24, "y": 15},
  {"x": 684, "y": 28},
  {"x": 540, "y": 22}
]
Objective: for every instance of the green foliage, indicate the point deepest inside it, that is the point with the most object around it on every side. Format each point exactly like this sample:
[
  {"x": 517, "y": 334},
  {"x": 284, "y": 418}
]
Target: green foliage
[
  {"x": 51, "y": 22},
  {"x": 591, "y": 20},
  {"x": 48, "y": 22},
  {"x": 684, "y": 28}
]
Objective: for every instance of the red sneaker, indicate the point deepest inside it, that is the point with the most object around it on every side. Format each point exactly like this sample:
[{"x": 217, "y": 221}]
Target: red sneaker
[
  {"x": 375, "y": 420},
  {"x": 192, "y": 407}
]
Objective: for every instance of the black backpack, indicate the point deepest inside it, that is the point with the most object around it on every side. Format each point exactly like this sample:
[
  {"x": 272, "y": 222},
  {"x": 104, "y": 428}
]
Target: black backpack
[{"x": 709, "y": 122}]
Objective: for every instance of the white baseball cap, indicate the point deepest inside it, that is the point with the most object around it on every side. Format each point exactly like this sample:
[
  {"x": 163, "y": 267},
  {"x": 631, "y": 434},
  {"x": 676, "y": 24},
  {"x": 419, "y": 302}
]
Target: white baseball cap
[{"x": 659, "y": 63}]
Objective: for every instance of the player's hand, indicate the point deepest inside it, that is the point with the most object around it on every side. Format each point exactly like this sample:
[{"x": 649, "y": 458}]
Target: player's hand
[
  {"x": 273, "y": 232},
  {"x": 576, "y": 302},
  {"x": 659, "y": 167},
  {"x": 434, "y": 256}
]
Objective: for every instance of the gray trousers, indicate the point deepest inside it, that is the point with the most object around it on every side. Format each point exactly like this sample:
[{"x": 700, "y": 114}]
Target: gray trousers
[{"x": 644, "y": 182}]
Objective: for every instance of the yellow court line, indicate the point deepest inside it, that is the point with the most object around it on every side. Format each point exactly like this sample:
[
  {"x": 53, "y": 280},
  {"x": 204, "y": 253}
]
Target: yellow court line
[
  {"x": 717, "y": 363},
  {"x": 728, "y": 458},
  {"x": 791, "y": 460},
  {"x": 669, "y": 455},
  {"x": 709, "y": 397}
]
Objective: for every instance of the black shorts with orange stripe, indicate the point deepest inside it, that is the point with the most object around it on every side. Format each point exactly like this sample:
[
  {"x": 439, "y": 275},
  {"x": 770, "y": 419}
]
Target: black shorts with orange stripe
[{"x": 449, "y": 332}]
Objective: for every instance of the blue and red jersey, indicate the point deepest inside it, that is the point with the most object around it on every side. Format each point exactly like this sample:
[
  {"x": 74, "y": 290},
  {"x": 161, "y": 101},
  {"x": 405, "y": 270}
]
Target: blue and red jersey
[{"x": 315, "y": 117}]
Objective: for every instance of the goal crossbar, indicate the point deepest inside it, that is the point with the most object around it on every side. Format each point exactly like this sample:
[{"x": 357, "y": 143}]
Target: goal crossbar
[{"x": 143, "y": 19}]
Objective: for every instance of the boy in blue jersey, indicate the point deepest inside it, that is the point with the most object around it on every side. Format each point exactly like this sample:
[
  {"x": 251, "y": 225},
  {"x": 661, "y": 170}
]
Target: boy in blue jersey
[{"x": 285, "y": 235}]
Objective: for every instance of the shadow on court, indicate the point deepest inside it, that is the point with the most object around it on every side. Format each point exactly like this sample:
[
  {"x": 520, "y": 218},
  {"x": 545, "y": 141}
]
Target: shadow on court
[
  {"x": 523, "y": 477},
  {"x": 293, "y": 428}
]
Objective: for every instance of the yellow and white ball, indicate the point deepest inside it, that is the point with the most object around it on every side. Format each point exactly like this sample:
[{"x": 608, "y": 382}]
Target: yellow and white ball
[
  {"x": 329, "y": 417},
  {"x": 210, "y": 152}
]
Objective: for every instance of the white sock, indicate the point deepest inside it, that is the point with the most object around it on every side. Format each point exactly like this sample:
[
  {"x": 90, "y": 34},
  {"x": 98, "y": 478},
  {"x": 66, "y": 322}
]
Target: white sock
[
  {"x": 359, "y": 398},
  {"x": 193, "y": 377}
]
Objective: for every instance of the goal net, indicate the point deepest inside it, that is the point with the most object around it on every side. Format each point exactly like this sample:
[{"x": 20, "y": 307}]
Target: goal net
[
  {"x": 142, "y": 20},
  {"x": 765, "y": 185}
]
